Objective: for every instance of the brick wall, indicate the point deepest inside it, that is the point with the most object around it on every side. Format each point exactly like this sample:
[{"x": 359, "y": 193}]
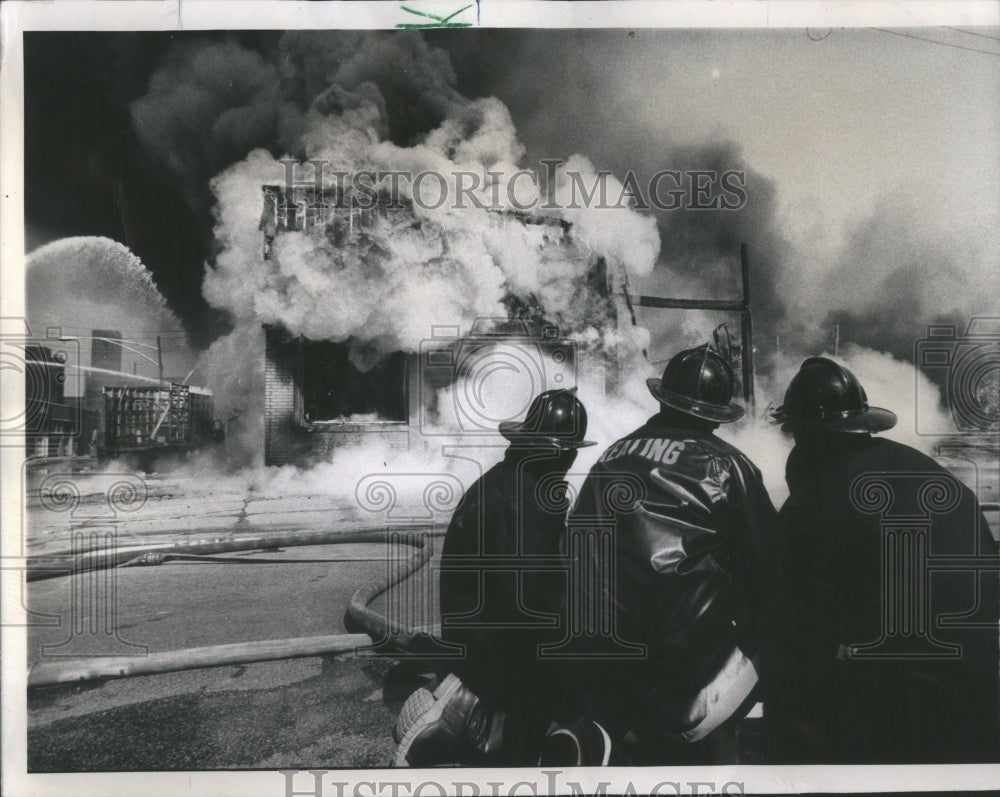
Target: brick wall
[
  {"x": 282, "y": 365},
  {"x": 395, "y": 437},
  {"x": 287, "y": 439}
]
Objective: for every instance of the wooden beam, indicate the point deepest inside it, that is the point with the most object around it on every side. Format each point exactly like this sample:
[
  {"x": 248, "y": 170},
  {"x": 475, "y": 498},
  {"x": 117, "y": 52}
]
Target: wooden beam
[{"x": 732, "y": 305}]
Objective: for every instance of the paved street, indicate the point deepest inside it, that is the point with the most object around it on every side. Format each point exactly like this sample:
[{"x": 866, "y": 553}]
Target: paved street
[{"x": 333, "y": 711}]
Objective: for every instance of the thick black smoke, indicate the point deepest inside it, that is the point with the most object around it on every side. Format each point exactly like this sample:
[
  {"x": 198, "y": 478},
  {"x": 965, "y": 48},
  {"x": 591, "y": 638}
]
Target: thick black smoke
[
  {"x": 704, "y": 245},
  {"x": 212, "y": 99},
  {"x": 211, "y": 102},
  {"x": 895, "y": 277}
]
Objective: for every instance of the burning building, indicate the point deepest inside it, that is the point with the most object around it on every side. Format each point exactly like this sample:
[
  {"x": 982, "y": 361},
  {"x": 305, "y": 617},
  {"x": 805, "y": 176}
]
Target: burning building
[{"x": 321, "y": 394}]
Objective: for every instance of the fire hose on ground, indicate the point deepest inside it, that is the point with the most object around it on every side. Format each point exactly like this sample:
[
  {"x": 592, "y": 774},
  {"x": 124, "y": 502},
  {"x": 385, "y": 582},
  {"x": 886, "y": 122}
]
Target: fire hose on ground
[{"x": 373, "y": 627}]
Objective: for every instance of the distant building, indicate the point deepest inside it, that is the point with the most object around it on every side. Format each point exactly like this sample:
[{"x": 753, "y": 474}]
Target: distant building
[
  {"x": 69, "y": 376},
  {"x": 51, "y": 425},
  {"x": 100, "y": 354}
]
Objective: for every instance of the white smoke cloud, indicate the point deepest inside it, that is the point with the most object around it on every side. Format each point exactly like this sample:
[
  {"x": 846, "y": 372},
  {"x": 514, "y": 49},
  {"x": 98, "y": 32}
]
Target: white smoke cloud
[
  {"x": 905, "y": 390},
  {"x": 383, "y": 102},
  {"x": 397, "y": 280},
  {"x": 234, "y": 366},
  {"x": 626, "y": 239},
  {"x": 888, "y": 383},
  {"x": 479, "y": 132},
  {"x": 387, "y": 286},
  {"x": 390, "y": 285}
]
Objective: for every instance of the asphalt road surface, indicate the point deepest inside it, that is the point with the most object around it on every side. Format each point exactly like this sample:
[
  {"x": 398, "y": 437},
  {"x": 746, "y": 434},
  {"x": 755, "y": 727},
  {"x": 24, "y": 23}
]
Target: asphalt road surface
[{"x": 318, "y": 712}]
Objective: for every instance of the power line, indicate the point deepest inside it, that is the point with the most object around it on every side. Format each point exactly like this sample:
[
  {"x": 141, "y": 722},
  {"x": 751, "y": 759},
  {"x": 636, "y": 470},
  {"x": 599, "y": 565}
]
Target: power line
[
  {"x": 974, "y": 33},
  {"x": 935, "y": 41},
  {"x": 133, "y": 333}
]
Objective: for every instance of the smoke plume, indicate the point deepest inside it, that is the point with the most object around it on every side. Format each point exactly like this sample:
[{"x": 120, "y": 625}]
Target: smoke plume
[
  {"x": 895, "y": 275},
  {"x": 383, "y": 102},
  {"x": 225, "y": 116}
]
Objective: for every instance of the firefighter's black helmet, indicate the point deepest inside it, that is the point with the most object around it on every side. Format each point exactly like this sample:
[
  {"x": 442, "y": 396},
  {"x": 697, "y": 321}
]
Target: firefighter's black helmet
[
  {"x": 555, "y": 419},
  {"x": 698, "y": 382},
  {"x": 826, "y": 395}
]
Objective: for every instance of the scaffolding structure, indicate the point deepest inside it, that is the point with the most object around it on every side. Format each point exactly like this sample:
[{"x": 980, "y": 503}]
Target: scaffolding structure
[{"x": 140, "y": 416}]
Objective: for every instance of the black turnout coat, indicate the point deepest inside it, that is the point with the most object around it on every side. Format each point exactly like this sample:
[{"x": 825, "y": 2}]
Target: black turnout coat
[
  {"x": 668, "y": 539},
  {"x": 500, "y": 580},
  {"x": 880, "y": 654}
]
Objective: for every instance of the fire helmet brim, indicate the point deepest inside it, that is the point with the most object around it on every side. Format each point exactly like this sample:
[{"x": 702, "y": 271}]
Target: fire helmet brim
[
  {"x": 697, "y": 409},
  {"x": 525, "y": 435},
  {"x": 871, "y": 420}
]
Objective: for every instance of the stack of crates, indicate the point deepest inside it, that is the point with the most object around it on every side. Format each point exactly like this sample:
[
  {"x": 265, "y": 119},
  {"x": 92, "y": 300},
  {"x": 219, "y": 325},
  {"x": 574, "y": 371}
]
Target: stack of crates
[{"x": 147, "y": 416}]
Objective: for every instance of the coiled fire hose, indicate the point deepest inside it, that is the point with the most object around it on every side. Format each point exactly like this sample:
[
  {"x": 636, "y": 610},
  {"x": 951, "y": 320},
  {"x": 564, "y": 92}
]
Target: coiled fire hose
[{"x": 374, "y": 627}]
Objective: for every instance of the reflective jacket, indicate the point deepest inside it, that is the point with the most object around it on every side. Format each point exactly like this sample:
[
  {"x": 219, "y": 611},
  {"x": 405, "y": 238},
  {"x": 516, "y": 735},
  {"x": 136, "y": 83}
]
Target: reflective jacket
[{"x": 667, "y": 544}]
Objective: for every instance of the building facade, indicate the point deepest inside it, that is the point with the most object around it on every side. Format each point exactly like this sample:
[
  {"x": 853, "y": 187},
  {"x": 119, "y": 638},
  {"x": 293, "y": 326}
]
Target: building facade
[{"x": 318, "y": 400}]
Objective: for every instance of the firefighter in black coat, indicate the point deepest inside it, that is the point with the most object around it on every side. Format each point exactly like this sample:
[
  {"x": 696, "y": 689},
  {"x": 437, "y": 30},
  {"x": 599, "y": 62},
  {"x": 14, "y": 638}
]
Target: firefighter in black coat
[
  {"x": 879, "y": 655},
  {"x": 666, "y": 539},
  {"x": 500, "y": 582}
]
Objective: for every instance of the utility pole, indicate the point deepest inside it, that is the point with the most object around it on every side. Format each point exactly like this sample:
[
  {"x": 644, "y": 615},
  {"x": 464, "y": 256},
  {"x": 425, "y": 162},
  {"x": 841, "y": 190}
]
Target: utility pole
[
  {"x": 159, "y": 358},
  {"x": 741, "y": 306},
  {"x": 746, "y": 331},
  {"x": 836, "y": 341}
]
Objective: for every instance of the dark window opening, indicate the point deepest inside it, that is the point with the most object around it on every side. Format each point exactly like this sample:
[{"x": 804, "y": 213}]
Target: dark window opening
[{"x": 333, "y": 389}]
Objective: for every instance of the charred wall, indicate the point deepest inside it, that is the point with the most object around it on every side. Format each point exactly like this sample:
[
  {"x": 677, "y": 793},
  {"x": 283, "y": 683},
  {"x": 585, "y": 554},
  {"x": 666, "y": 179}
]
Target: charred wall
[{"x": 291, "y": 435}]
